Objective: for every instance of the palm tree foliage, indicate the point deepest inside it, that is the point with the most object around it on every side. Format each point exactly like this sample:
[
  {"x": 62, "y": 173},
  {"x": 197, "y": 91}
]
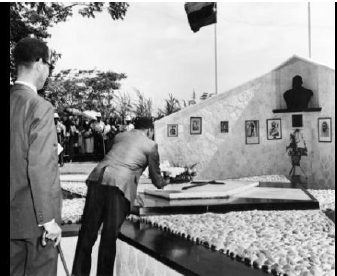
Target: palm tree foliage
[
  {"x": 172, "y": 105},
  {"x": 143, "y": 107},
  {"x": 123, "y": 105}
]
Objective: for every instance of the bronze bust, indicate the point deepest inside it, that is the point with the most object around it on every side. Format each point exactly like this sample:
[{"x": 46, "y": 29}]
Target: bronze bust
[{"x": 297, "y": 98}]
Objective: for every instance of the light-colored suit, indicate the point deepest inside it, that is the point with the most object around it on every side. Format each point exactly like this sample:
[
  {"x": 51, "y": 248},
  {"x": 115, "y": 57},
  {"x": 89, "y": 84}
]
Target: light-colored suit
[
  {"x": 123, "y": 165},
  {"x": 112, "y": 188},
  {"x": 35, "y": 191}
]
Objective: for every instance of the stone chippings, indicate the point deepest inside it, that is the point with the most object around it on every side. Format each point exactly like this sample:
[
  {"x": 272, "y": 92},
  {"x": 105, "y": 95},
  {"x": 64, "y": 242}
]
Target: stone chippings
[
  {"x": 78, "y": 188},
  {"x": 279, "y": 242},
  {"x": 298, "y": 243},
  {"x": 78, "y": 168},
  {"x": 326, "y": 198},
  {"x": 264, "y": 178},
  {"x": 131, "y": 261},
  {"x": 72, "y": 210}
]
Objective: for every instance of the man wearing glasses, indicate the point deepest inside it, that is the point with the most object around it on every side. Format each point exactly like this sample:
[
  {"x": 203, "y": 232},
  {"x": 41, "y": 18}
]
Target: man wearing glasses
[{"x": 35, "y": 192}]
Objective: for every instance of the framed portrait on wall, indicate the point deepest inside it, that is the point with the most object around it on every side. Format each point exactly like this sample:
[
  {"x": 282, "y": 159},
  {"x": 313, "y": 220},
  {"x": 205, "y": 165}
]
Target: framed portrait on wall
[
  {"x": 172, "y": 130},
  {"x": 224, "y": 126},
  {"x": 252, "y": 132},
  {"x": 274, "y": 129},
  {"x": 324, "y": 130},
  {"x": 195, "y": 125}
]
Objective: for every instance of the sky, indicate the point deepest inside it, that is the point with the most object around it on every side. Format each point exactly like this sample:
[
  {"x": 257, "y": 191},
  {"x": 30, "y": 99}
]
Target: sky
[{"x": 155, "y": 47}]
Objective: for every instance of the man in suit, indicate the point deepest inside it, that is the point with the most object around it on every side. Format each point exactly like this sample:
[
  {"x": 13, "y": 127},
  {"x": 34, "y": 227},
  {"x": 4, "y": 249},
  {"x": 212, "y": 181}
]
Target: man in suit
[
  {"x": 35, "y": 192},
  {"x": 112, "y": 189}
]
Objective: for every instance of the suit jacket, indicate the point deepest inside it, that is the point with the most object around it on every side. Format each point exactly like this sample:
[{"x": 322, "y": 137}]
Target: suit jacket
[
  {"x": 123, "y": 165},
  {"x": 35, "y": 191}
]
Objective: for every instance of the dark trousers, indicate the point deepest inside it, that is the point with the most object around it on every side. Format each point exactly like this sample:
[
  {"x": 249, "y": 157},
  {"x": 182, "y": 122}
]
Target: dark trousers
[
  {"x": 107, "y": 205},
  {"x": 71, "y": 147},
  {"x": 98, "y": 143},
  {"x": 29, "y": 258}
]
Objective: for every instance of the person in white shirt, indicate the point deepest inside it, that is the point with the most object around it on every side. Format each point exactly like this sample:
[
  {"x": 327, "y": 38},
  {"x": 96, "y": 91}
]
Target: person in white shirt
[
  {"x": 98, "y": 129},
  {"x": 129, "y": 126},
  {"x": 106, "y": 134}
]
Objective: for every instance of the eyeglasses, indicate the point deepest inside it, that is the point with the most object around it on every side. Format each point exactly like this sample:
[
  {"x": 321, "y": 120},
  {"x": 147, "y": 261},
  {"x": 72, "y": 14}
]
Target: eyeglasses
[{"x": 51, "y": 67}]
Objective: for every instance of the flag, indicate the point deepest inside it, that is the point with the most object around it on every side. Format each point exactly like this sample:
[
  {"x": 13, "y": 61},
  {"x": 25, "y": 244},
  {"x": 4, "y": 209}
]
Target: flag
[{"x": 200, "y": 14}]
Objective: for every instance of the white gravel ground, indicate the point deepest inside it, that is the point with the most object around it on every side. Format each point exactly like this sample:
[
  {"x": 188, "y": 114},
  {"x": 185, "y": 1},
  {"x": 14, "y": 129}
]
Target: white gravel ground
[
  {"x": 283, "y": 242},
  {"x": 72, "y": 210},
  {"x": 326, "y": 198},
  {"x": 79, "y": 188},
  {"x": 298, "y": 243},
  {"x": 264, "y": 178}
]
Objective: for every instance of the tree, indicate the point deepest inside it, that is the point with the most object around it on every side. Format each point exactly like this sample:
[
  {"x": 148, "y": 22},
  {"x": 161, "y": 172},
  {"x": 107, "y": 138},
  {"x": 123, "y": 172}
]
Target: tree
[
  {"x": 123, "y": 106},
  {"x": 84, "y": 90},
  {"x": 102, "y": 87},
  {"x": 143, "y": 107},
  {"x": 34, "y": 19},
  {"x": 172, "y": 105},
  {"x": 65, "y": 93}
]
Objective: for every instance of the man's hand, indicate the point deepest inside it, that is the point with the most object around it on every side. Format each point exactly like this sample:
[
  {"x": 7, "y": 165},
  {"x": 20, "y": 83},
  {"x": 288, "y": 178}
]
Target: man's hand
[
  {"x": 166, "y": 175},
  {"x": 53, "y": 232},
  {"x": 166, "y": 178}
]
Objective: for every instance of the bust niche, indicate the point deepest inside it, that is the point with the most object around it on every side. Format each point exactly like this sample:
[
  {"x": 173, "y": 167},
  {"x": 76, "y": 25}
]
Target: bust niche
[{"x": 297, "y": 98}]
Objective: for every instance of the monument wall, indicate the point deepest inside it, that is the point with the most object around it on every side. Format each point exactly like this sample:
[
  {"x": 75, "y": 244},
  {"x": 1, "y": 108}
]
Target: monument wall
[{"x": 232, "y": 154}]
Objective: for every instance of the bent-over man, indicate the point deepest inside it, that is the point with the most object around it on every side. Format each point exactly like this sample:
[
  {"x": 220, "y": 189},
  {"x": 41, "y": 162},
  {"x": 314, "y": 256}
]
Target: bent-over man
[{"x": 112, "y": 189}]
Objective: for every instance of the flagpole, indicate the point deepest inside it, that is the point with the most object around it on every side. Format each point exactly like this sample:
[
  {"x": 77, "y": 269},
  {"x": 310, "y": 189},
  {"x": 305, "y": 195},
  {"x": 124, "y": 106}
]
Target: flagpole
[
  {"x": 309, "y": 29},
  {"x": 216, "y": 54}
]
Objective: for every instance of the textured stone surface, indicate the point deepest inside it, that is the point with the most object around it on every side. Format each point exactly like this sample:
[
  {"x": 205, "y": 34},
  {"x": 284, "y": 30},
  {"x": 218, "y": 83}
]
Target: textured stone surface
[
  {"x": 134, "y": 262},
  {"x": 326, "y": 198},
  {"x": 79, "y": 188},
  {"x": 78, "y": 168},
  {"x": 129, "y": 260},
  {"x": 72, "y": 210},
  {"x": 226, "y": 155},
  {"x": 291, "y": 242}
]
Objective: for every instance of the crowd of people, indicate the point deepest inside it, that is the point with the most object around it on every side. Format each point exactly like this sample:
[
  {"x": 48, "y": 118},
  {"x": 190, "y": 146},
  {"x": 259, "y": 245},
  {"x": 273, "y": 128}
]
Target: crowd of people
[{"x": 79, "y": 135}]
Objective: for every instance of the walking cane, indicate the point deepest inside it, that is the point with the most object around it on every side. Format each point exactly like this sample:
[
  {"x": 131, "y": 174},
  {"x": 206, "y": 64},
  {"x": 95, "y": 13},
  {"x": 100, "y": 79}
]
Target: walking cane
[
  {"x": 63, "y": 259},
  {"x": 59, "y": 249}
]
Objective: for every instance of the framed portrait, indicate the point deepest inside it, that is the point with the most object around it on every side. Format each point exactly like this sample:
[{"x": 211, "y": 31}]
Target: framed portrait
[
  {"x": 224, "y": 126},
  {"x": 324, "y": 130},
  {"x": 172, "y": 130},
  {"x": 195, "y": 125},
  {"x": 252, "y": 132},
  {"x": 274, "y": 129}
]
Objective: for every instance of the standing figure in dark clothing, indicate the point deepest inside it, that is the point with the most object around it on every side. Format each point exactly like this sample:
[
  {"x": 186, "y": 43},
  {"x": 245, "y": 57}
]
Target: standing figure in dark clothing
[
  {"x": 298, "y": 97},
  {"x": 71, "y": 136},
  {"x": 98, "y": 129}
]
